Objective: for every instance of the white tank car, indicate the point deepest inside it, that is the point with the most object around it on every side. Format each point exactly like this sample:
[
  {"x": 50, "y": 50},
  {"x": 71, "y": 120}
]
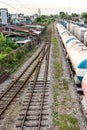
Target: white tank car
[
  {"x": 77, "y": 53},
  {"x": 84, "y": 85},
  {"x": 61, "y": 28},
  {"x": 80, "y": 33},
  {"x": 71, "y": 27},
  {"x": 85, "y": 38},
  {"x": 84, "y": 88}
]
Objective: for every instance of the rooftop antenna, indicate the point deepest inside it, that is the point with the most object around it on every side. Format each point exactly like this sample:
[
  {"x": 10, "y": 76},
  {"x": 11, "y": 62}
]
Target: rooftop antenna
[{"x": 39, "y": 11}]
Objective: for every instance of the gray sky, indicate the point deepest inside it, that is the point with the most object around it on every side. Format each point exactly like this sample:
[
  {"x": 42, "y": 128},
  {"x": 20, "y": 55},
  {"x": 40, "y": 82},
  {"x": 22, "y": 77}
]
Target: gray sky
[{"x": 47, "y": 6}]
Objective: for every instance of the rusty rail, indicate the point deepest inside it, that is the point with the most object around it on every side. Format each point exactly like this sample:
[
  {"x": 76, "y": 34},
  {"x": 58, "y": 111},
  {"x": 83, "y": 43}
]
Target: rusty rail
[
  {"x": 6, "y": 104},
  {"x": 32, "y": 60},
  {"x": 45, "y": 54}
]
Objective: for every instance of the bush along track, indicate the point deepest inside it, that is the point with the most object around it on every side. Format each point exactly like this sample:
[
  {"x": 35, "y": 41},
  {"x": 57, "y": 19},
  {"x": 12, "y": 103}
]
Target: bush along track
[
  {"x": 16, "y": 58},
  {"x": 63, "y": 116}
]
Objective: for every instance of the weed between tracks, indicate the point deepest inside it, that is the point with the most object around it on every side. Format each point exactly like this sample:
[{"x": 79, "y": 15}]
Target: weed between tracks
[
  {"x": 17, "y": 65},
  {"x": 62, "y": 100}
]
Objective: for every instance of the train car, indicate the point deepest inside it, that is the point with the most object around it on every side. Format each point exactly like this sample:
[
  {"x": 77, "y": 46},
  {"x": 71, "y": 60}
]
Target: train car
[
  {"x": 80, "y": 33},
  {"x": 71, "y": 27},
  {"x": 84, "y": 85},
  {"x": 64, "y": 23},
  {"x": 85, "y": 38},
  {"x": 78, "y": 30},
  {"x": 77, "y": 53},
  {"x": 84, "y": 88}
]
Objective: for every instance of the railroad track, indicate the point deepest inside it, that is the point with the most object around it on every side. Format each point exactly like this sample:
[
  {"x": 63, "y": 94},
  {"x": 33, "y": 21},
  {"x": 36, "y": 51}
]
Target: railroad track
[
  {"x": 15, "y": 87},
  {"x": 78, "y": 87},
  {"x": 34, "y": 112}
]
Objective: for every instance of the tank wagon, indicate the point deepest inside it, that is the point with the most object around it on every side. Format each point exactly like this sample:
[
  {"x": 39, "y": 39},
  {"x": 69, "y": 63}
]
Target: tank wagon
[
  {"x": 77, "y": 29},
  {"x": 76, "y": 51},
  {"x": 84, "y": 88},
  {"x": 84, "y": 85},
  {"x": 64, "y": 23},
  {"x": 71, "y": 27},
  {"x": 85, "y": 38}
]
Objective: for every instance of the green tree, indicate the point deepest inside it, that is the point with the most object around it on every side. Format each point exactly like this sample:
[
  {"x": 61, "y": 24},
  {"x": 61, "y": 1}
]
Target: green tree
[
  {"x": 63, "y": 15},
  {"x": 6, "y": 42},
  {"x": 2, "y": 40},
  {"x": 38, "y": 19},
  {"x": 74, "y": 15},
  {"x": 8, "y": 50},
  {"x": 84, "y": 16}
]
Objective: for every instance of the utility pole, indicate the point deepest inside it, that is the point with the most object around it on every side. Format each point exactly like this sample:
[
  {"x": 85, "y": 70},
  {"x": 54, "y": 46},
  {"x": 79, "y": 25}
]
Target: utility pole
[{"x": 39, "y": 11}]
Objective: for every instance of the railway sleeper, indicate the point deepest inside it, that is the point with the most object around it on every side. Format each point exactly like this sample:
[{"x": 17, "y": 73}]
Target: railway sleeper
[
  {"x": 38, "y": 104},
  {"x": 38, "y": 88},
  {"x": 34, "y": 113},
  {"x": 32, "y": 124},
  {"x": 35, "y": 100},
  {"x": 35, "y": 97},
  {"x": 38, "y": 91},
  {"x": 29, "y": 94},
  {"x": 32, "y": 118},
  {"x": 34, "y": 108},
  {"x": 40, "y": 81},
  {"x": 31, "y": 114}
]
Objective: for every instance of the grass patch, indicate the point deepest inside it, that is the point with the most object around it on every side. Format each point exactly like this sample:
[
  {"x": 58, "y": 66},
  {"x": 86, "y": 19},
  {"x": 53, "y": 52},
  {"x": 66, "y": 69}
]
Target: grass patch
[
  {"x": 61, "y": 94},
  {"x": 22, "y": 60},
  {"x": 58, "y": 73},
  {"x": 55, "y": 119},
  {"x": 65, "y": 84},
  {"x": 68, "y": 122}
]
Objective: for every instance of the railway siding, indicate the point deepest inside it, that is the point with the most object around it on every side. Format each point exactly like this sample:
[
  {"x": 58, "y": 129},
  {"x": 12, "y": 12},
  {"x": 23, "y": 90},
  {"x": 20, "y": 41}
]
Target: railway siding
[
  {"x": 35, "y": 109},
  {"x": 65, "y": 108}
]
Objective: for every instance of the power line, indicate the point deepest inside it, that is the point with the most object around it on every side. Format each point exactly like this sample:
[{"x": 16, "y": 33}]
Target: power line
[
  {"x": 9, "y": 6},
  {"x": 23, "y": 4},
  {"x": 20, "y": 3}
]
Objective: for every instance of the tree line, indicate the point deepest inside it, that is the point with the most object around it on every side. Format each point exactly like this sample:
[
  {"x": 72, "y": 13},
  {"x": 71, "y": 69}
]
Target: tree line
[{"x": 73, "y": 16}]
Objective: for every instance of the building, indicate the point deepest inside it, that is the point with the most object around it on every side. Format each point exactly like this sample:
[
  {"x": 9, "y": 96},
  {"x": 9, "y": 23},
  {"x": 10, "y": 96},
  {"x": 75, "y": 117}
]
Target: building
[
  {"x": 17, "y": 18},
  {"x": 3, "y": 16}
]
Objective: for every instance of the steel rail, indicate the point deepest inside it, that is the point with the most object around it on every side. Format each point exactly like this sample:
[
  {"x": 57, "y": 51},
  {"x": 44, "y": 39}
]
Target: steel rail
[
  {"x": 35, "y": 79},
  {"x": 44, "y": 87},
  {"x": 9, "y": 102},
  {"x": 2, "y": 111},
  {"x": 33, "y": 59}
]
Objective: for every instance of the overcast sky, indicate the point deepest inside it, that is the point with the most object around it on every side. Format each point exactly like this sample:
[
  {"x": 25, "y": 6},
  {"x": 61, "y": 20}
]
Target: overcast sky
[{"x": 47, "y": 6}]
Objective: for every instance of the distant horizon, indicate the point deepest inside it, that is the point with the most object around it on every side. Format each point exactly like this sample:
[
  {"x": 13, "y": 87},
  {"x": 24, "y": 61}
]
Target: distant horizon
[
  {"x": 31, "y": 7},
  {"x": 48, "y": 11}
]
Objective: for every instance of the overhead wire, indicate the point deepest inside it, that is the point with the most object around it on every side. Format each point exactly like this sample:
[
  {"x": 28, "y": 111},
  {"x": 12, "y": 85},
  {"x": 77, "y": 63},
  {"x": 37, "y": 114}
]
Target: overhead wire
[
  {"x": 19, "y": 2},
  {"x": 10, "y": 6},
  {"x": 24, "y": 6}
]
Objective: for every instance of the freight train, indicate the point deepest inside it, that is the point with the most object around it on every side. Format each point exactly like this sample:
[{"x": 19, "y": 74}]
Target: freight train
[
  {"x": 77, "y": 29},
  {"x": 76, "y": 52}
]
